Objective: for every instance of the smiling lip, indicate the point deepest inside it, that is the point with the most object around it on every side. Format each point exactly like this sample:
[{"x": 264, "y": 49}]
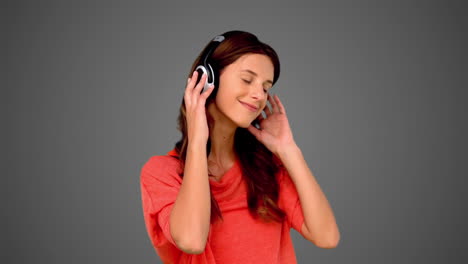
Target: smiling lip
[{"x": 250, "y": 107}]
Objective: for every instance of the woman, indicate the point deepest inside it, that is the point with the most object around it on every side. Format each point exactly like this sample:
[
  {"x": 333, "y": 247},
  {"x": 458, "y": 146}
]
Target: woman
[{"x": 229, "y": 192}]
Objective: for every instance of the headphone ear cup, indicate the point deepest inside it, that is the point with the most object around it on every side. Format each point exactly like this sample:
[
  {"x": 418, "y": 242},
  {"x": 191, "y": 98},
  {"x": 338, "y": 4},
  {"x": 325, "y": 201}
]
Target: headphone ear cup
[
  {"x": 211, "y": 77},
  {"x": 214, "y": 76},
  {"x": 211, "y": 74}
]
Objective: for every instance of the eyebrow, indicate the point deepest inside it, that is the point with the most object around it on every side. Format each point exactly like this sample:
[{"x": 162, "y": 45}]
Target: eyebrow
[{"x": 254, "y": 73}]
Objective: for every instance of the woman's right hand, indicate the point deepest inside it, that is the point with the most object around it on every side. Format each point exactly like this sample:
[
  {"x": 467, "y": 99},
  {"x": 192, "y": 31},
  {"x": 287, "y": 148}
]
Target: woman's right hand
[{"x": 197, "y": 124}]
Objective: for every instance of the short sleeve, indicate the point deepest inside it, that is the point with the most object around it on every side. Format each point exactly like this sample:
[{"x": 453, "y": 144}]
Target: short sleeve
[
  {"x": 160, "y": 184},
  {"x": 289, "y": 200}
]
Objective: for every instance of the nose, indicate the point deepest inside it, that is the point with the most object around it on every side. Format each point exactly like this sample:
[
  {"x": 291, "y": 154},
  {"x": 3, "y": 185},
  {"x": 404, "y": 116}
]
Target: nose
[{"x": 258, "y": 93}]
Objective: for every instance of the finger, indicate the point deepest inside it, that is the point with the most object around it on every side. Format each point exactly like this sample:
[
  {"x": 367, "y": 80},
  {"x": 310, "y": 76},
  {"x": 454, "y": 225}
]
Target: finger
[
  {"x": 273, "y": 104},
  {"x": 267, "y": 110},
  {"x": 189, "y": 88},
  {"x": 187, "y": 101},
  {"x": 280, "y": 105},
  {"x": 196, "y": 91},
  {"x": 208, "y": 91},
  {"x": 192, "y": 81},
  {"x": 260, "y": 117},
  {"x": 199, "y": 87},
  {"x": 187, "y": 95},
  {"x": 201, "y": 84},
  {"x": 256, "y": 132}
]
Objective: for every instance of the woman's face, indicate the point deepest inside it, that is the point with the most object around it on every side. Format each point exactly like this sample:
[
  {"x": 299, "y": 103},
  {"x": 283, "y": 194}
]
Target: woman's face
[{"x": 246, "y": 81}]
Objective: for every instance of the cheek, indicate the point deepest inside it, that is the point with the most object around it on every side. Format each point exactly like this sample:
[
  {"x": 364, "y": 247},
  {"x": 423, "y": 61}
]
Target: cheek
[
  {"x": 225, "y": 95},
  {"x": 225, "y": 101},
  {"x": 262, "y": 107},
  {"x": 220, "y": 96}
]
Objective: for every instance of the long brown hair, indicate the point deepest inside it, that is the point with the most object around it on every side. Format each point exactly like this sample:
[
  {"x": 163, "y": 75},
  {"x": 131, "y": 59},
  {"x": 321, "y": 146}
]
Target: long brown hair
[{"x": 257, "y": 162}]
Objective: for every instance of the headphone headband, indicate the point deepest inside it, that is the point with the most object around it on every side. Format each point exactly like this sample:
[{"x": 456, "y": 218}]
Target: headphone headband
[{"x": 213, "y": 45}]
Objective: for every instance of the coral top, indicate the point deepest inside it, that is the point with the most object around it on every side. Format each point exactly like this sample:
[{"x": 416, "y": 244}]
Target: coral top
[{"x": 240, "y": 238}]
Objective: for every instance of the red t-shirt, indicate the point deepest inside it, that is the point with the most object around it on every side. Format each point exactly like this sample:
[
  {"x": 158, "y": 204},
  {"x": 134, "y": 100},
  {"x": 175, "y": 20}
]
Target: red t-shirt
[{"x": 240, "y": 238}]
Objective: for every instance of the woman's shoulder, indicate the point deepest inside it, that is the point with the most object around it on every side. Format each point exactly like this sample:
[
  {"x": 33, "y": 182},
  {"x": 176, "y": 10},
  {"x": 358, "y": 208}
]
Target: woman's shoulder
[
  {"x": 161, "y": 161},
  {"x": 161, "y": 166}
]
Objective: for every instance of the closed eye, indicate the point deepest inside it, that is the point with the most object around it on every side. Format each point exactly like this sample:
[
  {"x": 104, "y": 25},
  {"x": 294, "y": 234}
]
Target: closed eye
[{"x": 250, "y": 82}]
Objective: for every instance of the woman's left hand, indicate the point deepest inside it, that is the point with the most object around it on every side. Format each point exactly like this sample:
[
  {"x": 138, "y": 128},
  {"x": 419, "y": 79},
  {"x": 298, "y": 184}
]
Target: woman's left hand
[{"x": 275, "y": 132}]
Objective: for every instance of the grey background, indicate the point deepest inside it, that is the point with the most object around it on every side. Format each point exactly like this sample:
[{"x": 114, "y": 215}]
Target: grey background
[{"x": 374, "y": 91}]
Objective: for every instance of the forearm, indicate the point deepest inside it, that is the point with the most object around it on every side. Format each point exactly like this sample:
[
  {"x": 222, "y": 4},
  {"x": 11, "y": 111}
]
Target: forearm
[
  {"x": 318, "y": 215},
  {"x": 190, "y": 216}
]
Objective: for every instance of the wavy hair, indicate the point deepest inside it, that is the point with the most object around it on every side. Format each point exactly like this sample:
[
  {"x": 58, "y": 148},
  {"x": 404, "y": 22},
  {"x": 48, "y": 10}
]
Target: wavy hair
[{"x": 259, "y": 165}]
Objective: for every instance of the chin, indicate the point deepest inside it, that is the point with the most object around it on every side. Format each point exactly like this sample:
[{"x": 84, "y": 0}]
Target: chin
[
  {"x": 243, "y": 121},
  {"x": 245, "y": 124}
]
